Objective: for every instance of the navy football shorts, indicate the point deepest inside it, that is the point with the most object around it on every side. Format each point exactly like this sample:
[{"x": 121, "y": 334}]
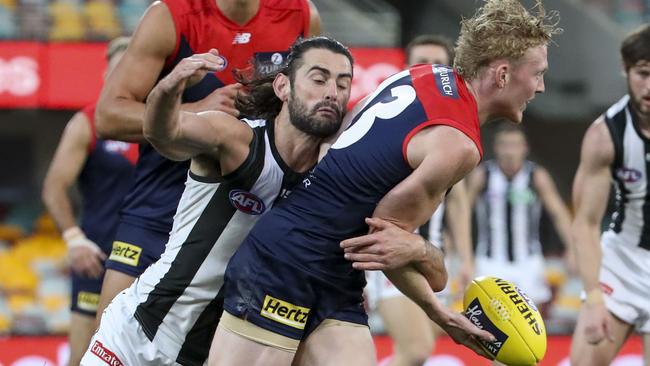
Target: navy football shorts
[
  {"x": 135, "y": 248},
  {"x": 280, "y": 298}
]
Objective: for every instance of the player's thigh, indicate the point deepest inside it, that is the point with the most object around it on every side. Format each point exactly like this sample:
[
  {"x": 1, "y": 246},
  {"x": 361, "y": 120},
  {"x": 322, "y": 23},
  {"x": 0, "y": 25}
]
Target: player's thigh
[
  {"x": 231, "y": 349},
  {"x": 82, "y": 328},
  {"x": 114, "y": 283},
  {"x": 585, "y": 354},
  {"x": 336, "y": 343},
  {"x": 407, "y": 325}
]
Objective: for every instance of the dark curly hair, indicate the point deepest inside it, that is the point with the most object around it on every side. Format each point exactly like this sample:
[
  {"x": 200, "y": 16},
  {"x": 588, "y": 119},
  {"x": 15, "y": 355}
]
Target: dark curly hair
[{"x": 258, "y": 99}]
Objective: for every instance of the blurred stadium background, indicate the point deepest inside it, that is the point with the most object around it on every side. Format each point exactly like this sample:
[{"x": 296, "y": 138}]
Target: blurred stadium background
[{"x": 51, "y": 64}]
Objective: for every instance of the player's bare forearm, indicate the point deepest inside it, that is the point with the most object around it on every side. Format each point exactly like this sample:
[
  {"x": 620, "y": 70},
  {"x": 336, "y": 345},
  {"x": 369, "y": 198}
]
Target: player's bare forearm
[
  {"x": 458, "y": 208},
  {"x": 410, "y": 282},
  {"x": 56, "y": 200},
  {"x": 432, "y": 267},
  {"x": 586, "y": 240},
  {"x": 162, "y": 118},
  {"x": 120, "y": 119}
]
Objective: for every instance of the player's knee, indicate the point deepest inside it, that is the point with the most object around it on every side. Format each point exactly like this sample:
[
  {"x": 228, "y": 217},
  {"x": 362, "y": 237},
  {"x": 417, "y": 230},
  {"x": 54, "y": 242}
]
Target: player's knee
[{"x": 415, "y": 353}]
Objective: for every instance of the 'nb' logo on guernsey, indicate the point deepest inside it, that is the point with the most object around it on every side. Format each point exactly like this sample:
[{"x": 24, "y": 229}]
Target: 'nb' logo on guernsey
[
  {"x": 446, "y": 81},
  {"x": 246, "y": 202}
]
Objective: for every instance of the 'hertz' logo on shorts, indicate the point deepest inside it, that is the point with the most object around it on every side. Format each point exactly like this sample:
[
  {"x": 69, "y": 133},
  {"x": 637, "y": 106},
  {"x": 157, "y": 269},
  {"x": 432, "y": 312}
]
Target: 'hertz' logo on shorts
[
  {"x": 125, "y": 253},
  {"x": 284, "y": 312},
  {"x": 87, "y": 301}
]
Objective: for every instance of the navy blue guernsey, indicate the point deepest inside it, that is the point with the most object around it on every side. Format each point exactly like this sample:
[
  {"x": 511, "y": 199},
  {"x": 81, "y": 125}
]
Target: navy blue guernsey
[
  {"x": 104, "y": 180},
  {"x": 200, "y": 25},
  {"x": 365, "y": 163}
]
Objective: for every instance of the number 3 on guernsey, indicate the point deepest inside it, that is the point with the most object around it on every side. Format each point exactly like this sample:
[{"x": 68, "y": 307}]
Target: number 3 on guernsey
[{"x": 404, "y": 95}]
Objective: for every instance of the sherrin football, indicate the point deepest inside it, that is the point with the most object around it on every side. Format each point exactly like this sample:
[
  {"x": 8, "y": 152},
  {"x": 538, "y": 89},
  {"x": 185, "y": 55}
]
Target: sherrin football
[{"x": 501, "y": 308}]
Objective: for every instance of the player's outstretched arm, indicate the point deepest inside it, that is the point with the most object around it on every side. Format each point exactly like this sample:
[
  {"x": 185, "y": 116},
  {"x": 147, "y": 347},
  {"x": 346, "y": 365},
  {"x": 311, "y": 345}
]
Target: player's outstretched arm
[
  {"x": 553, "y": 204},
  {"x": 181, "y": 135},
  {"x": 590, "y": 192},
  {"x": 71, "y": 154},
  {"x": 120, "y": 108},
  {"x": 388, "y": 246},
  {"x": 411, "y": 203},
  {"x": 459, "y": 224}
]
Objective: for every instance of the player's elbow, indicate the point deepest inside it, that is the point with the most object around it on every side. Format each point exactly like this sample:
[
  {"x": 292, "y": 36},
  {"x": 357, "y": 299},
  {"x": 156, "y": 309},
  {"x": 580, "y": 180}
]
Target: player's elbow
[
  {"x": 105, "y": 120},
  {"x": 49, "y": 192},
  {"x": 439, "y": 281}
]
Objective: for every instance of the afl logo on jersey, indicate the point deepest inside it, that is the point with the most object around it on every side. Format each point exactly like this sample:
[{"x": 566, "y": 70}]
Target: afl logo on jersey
[
  {"x": 628, "y": 175},
  {"x": 445, "y": 81},
  {"x": 246, "y": 202}
]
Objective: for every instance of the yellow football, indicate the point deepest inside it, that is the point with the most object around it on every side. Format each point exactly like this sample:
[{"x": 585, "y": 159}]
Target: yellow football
[{"x": 504, "y": 310}]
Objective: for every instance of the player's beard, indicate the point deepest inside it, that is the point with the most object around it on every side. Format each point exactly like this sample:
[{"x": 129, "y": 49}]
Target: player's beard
[
  {"x": 637, "y": 105},
  {"x": 309, "y": 122}
]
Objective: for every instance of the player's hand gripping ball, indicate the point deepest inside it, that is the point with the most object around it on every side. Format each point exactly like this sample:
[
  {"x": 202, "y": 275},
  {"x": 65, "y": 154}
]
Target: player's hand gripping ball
[{"x": 502, "y": 309}]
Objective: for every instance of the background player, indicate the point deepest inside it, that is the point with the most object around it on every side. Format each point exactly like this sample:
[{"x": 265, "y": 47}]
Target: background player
[
  {"x": 508, "y": 194},
  {"x": 616, "y": 276},
  {"x": 412, "y": 332},
  {"x": 103, "y": 170},
  {"x": 171, "y": 30},
  {"x": 289, "y": 281}
]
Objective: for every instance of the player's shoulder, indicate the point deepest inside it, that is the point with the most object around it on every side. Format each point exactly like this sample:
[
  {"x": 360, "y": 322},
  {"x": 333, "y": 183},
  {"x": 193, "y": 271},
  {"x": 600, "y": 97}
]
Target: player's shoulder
[{"x": 598, "y": 143}]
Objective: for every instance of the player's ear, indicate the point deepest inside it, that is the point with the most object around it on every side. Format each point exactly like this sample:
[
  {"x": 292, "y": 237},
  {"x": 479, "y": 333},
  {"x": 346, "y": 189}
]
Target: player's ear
[
  {"x": 282, "y": 86},
  {"x": 501, "y": 73}
]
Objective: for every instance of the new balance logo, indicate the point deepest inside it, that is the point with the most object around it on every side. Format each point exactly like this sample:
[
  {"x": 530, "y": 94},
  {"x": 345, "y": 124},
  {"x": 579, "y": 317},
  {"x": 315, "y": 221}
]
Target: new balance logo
[{"x": 242, "y": 38}]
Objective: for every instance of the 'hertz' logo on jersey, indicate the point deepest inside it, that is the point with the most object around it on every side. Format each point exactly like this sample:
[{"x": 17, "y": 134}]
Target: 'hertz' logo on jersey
[
  {"x": 246, "y": 202},
  {"x": 446, "y": 81},
  {"x": 87, "y": 301},
  {"x": 284, "y": 312},
  {"x": 242, "y": 38},
  {"x": 125, "y": 253}
]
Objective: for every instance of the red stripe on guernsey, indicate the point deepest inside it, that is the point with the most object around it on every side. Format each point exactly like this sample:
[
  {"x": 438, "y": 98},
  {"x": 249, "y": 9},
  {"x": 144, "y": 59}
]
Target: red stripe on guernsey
[
  {"x": 176, "y": 9},
  {"x": 89, "y": 111},
  {"x": 132, "y": 153},
  {"x": 460, "y": 113},
  {"x": 105, "y": 354}
]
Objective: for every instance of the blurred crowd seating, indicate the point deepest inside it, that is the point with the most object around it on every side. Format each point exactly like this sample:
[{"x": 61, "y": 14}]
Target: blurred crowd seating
[
  {"x": 628, "y": 13},
  {"x": 99, "y": 20},
  {"x": 69, "y": 20},
  {"x": 34, "y": 280}
]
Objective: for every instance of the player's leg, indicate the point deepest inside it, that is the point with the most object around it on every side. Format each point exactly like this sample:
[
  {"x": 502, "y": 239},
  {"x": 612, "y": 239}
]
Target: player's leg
[
  {"x": 114, "y": 283},
  {"x": 352, "y": 343},
  {"x": 410, "y": 329},
  {"x": 238, "y": 342},
  {"x": 84, "y": 302},
  {"x": 82, "y": 327},
  {"x": 585, "y": 354}
]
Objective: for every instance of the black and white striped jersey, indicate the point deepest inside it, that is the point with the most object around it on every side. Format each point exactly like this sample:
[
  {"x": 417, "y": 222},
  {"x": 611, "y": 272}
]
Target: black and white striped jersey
[
  {"x": 508, "y": 213},
  {"x": 178, "y": 298},
  {"x": 630, "y": 222}
]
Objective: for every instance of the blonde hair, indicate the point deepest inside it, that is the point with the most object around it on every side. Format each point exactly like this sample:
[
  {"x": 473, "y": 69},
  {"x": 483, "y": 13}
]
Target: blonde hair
[{"x": 502, "y": 29}]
